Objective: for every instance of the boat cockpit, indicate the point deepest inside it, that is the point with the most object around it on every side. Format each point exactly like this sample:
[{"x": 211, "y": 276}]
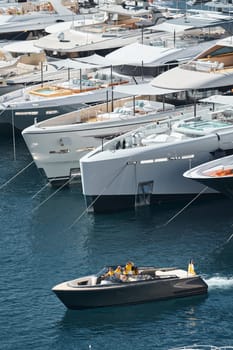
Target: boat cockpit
[{"x": 143, "y": 274}]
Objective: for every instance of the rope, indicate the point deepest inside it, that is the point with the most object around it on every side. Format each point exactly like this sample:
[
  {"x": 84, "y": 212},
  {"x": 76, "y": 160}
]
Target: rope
[
  {"x": 13, "y": 177},
  {"x": 3, "y": 105},
  {"x": 180, "y": 211},
  {"x": 46, "y": 185},
  {"x": 53, "y": 194},
  {"x": 95, "y": 200},
  {"x": 228, "y": 240}
]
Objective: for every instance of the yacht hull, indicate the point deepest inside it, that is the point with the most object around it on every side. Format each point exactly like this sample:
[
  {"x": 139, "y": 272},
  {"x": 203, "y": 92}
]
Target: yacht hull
[
  {"x": 136, "y": 180},
  {"x": 110, "y": 204},
  {"x": 129, "y": 293},
  {"x": 217, "y": 174},
  {"x": 26, "y": 109},
  {"x": 224, "y": 186}
]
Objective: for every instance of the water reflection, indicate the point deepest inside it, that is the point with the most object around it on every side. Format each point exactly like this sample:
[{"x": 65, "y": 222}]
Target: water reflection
[{"x": 134, "y": 315}]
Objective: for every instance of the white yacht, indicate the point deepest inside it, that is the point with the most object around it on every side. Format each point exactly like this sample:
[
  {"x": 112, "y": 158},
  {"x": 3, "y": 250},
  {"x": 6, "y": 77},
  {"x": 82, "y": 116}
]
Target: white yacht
[
  {"x": 159, "y": 55},
  {"x": 119, "y": 27},
  {"x": 18, "y": 20},
  {"x": 216, "y": 174},
  {"x": 20, "y": 108},
  {"x": 23, "y": 69},
  {"x": 149, "y": 168},
  {"x": 57, "y": 144},
  {"x": 209, "y": 72}
]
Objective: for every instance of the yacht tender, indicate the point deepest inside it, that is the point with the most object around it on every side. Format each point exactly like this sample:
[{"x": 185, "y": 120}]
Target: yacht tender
[{"x": 150, "y": 284}]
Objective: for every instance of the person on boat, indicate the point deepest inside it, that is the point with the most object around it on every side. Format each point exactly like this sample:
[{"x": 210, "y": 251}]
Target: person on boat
[
  {"x": 128, "y": 268},
  {"x": 118, "y": 270},
  {"x": 191, "y": 270},
  {"x": 110, "y": 273},
  {"x": 134, "y": 270}
]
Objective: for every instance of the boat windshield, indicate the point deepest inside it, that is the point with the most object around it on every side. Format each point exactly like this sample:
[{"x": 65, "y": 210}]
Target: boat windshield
[{"x": 103, "y": 271}]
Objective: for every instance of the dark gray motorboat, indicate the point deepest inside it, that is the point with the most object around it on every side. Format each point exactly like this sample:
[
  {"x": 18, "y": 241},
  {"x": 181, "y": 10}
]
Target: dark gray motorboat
[{"x": 149, "y": 284}]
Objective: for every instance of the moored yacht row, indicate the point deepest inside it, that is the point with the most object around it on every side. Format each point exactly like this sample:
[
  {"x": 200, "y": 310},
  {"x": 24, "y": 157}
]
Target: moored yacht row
[
  {"x": 140, "y": 167},
  {"x": 145, "y": 165}
]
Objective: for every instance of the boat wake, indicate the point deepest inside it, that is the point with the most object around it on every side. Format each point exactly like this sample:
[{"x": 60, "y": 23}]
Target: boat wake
[{"x": 219, "y": 282}]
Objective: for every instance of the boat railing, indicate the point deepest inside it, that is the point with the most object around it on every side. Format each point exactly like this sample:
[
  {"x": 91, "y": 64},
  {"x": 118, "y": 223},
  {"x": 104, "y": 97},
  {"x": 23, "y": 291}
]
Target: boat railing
[
  {"x": 162, "y": 125},
  {"x": 203, "y": 66},
  {"x": 11, "y": 95}
]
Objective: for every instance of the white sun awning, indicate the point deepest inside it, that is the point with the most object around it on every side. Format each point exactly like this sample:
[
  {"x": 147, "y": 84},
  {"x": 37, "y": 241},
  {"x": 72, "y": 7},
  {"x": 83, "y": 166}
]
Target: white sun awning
[
  {"x": 95, "y": 59},
  {"x": 138, "y": 54},
  {"x": 143, "y": 89},
  {"x": 221, "y": 99},
  {"x": 26, "y": 46},
  {"x": 172, "y": 27},
  {"x": 68, "y": 63}
]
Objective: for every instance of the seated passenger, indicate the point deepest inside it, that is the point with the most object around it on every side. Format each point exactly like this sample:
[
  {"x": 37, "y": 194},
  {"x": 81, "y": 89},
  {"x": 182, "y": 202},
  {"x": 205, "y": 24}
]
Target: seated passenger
[
  {"x": 128, "y": 268},
  {"x": 118, "y": 270},
  {"x": 109, "y": 273},
  {"x": 134, "y": 270},
  {"x": 123, "y": 278}
]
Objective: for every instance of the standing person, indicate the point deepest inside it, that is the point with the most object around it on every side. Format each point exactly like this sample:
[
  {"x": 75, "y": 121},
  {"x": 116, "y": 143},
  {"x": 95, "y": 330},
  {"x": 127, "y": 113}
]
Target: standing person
[{"x": 191, "y": 270}]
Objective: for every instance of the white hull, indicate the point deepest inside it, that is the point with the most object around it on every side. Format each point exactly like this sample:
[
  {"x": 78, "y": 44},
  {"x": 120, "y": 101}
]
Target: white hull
[
  {"x": 58, "y": 144},
  {"x": 21, "y": 107},
  {"x": 167, "y": 175}
]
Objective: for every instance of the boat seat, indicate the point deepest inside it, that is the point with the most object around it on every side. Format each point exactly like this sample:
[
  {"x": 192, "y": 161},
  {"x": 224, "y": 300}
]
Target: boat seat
[
  {"x": 177, "y": 272},
  {"x": 92, "y": 281},
  {"x": 160, "y": 138}
]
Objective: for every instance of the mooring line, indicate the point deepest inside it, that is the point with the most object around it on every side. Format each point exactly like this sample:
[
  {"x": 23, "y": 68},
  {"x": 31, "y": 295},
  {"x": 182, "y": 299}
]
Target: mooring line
[
  {"x": 180, "y": 211},
  {"x": 36, "y": 194},
  {"x": 53, "y": 194},
  {"x": 229, "y": 238},
  {"x": 13, "y": 177}
]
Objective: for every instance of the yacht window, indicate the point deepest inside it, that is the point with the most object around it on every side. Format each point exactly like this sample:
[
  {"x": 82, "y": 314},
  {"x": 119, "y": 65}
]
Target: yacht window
[
  {"x": 221, "y": 51},
  {"x": 188, "y": 156},
  {"x": 51, "y": 112},
  {"x": 149, "y": 161},
  {"x": 175, "y": 157},
  {"x": 27, "y": 113}
]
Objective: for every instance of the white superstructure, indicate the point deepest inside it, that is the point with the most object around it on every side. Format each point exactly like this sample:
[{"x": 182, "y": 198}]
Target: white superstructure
[{"x": 209, "y": 70}]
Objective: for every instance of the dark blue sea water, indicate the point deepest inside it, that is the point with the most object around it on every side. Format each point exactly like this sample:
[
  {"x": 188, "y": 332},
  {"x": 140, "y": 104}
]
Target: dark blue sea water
[{"x": 46, "y": 239}]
